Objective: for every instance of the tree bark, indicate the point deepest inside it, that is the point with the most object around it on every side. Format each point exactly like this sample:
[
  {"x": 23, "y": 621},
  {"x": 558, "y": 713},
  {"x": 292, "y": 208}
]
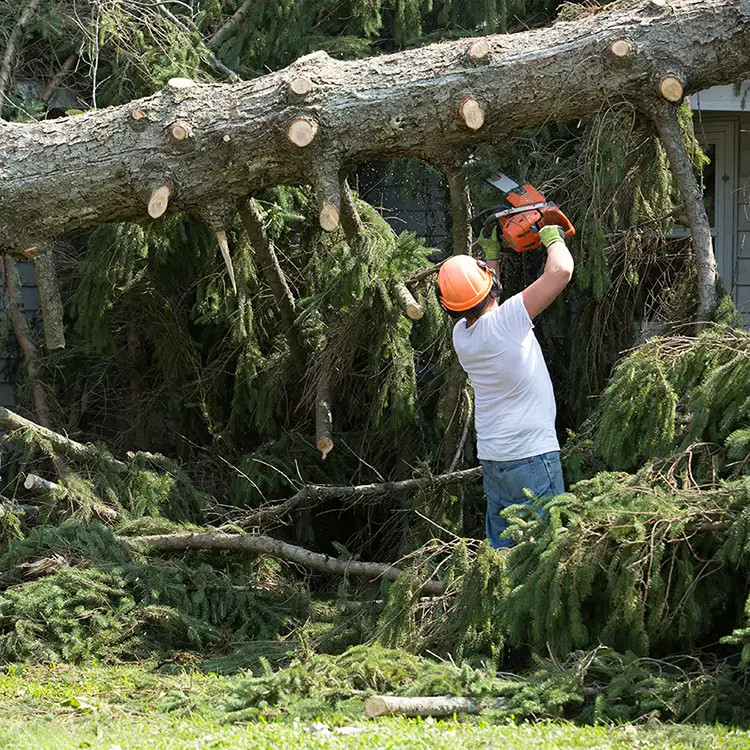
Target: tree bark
[
  {"x": 318, "y": 492},
  {"x": 406, "y": 104},
  {"x": 458, "y": 186},
  {"x": 25, "y": 339},
  {"x": 427, "y": 705},
  {"x": 275, "y": 548},
  {"x": 664, "y": 117},
  {"x": 43, "y": 261},
  {"x": 9, "y": 420}
]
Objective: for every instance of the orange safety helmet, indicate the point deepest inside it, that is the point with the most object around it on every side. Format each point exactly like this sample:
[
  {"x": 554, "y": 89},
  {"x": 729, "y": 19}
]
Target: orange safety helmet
[{"x": 463, "y": 282}]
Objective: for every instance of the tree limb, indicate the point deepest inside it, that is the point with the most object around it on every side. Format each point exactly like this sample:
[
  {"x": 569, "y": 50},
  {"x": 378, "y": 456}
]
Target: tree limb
[
  {"x": 43, "y": 261},
  {"x": 275, "y": 548},
  {"x": 664, "y": 116},
  {"x": 6, "y": 65},
  {"x": 230, "y": 24},
  {"x": 405, "y": 104},
  {"x": 318, "y": 492},
  {"x": 458, "y": 186},
  {"x": 10, "y": 421},
  {"x": 25, "y": 339}
]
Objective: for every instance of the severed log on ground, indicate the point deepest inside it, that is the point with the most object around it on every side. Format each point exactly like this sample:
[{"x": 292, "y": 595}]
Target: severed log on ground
[
  {"x": 266, "y": 545},
  {"x": 305, "y": 123},
  {"x": 10, "y": 421},
  {"x": 439, "y": 705}
]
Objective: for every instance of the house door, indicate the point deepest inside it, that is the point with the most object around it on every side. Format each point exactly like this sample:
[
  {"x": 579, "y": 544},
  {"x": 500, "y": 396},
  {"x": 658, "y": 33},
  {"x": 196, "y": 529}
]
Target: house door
[{"x": 719, "y": 139}]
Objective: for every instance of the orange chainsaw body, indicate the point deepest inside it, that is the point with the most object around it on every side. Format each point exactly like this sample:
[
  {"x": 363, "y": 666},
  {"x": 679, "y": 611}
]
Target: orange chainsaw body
[{"x": 523, "y": 214}]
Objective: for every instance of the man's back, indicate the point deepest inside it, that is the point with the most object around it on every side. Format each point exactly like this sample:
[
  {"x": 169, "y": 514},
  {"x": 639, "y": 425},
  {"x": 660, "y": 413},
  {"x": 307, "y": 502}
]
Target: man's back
[{"x": 515, "y": 403}]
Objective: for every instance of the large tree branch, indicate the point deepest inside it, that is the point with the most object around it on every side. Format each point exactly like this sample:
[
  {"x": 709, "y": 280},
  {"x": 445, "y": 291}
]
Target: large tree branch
[
  {"x": 319, "y": 492},
  {"x": 274, "y": 547},
  {"x": 10, "y": 421},
  {"x": 664, "y": 116},
  {"x": 319, "y": 115}
]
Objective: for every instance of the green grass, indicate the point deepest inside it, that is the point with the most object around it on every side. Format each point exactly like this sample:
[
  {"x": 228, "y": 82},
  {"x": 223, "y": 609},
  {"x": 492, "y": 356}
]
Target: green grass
[{"x": 131, "y": 707}]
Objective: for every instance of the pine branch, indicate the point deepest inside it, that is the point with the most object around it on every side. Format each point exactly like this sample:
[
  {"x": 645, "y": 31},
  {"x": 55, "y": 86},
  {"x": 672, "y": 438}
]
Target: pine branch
[
  {"x": 282, "y": 550},
  {"x": 319, "y": 492},
  {"x": 9, "y": 420},
  {"x": 230, "y": 24}
]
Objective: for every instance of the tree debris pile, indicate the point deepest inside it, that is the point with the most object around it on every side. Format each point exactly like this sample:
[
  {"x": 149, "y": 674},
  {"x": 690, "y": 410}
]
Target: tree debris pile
[{"x": 600, "y": 685}]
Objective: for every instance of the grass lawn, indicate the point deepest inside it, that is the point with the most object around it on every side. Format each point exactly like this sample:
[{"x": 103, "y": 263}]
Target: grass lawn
[{"x": 119, "y": 708}]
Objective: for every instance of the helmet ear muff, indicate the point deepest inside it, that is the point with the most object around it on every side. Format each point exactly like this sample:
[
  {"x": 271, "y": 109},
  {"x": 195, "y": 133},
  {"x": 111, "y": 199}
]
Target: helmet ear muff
[{"x": 496, "y": 289}]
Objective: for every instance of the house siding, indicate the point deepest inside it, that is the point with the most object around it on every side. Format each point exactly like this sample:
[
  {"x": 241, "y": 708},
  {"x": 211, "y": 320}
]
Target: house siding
[{"x": 742, "y": 268}]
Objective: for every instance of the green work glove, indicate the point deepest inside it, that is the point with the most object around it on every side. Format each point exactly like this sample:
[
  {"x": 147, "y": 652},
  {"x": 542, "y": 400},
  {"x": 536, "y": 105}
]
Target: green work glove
[
  {"x": 490, "y": 245},
  {"x": 551, "y": 233}
]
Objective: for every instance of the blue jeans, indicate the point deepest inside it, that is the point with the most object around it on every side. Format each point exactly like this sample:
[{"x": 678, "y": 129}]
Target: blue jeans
[{"x": 504, "y": 484}]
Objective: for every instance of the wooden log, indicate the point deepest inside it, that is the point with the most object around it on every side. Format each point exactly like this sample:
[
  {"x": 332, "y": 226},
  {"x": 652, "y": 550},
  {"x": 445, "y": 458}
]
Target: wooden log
[
  {"x": 9, "y": 420},
  {"x": 620, "y": 47},
  {"x": 479, "y": 51},
  {"x": 301, "y": 132},
  {"x": 255, "y": 543},
  {"x": 43, "y": 261},
  {"x": 221, "y": 238},
  {"x": 412, "y": 309},
  {"x": 158, "y": 201},
  {"x": 471, "y": 113},
  {"x": 38, "y": 484},
  {"x": 359, "y": 101},
  {"x": 323, "y": 419},
  {"x": 386, "y": 705},
  {"x": 672, "y": 88}
]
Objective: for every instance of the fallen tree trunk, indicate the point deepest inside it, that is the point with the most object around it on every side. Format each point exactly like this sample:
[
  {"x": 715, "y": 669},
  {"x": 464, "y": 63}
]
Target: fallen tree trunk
[
  {"x": 276, "y": 548},
  {"x": 306, "y": 122},
  {"x": 10, "y": 421}
]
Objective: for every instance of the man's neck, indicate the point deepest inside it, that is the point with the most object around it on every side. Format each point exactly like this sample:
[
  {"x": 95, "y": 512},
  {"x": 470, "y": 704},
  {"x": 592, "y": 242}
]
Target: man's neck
[{"x": 491, "y": 305}]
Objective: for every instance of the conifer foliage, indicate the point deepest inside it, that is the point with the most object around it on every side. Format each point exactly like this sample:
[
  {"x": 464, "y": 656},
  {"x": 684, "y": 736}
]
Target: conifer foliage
[{"x": 648, "y": 551}]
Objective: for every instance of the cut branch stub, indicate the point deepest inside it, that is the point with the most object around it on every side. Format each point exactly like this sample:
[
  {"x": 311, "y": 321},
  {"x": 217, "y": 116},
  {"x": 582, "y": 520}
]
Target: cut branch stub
[
  {"x": 672, "y": 88},
  {"x": 479, "y": 51},
  {"x": 138, "y": 118},
  {"x": 328, "y": 191},
  {"x": 221, "y": 237},
  {"x": 301, "y": 132},
  {"x": 300, "y": 86},
  {"x": 323, "y": 419},
  {"x": 406, "y": 300},
  {"x": 472, "y": 113},
  {"x": 158, "y": 202},
  {"x": 620, "y": 47},
  {"x": 180, "y": 131},
  {"x": 180, "y": 83}
]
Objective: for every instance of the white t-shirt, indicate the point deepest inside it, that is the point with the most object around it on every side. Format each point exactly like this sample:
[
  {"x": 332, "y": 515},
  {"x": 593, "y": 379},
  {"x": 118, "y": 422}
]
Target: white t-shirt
[{"x": 513, "y": 397}]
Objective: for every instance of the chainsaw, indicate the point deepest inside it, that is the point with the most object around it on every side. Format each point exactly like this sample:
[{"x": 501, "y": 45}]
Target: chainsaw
[{"x": 524, "y": 212}]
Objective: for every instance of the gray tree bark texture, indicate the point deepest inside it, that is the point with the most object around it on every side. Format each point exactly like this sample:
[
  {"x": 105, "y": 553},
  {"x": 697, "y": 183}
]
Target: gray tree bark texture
[
  {"x": 276, "y": 548},
  {"x": 305, "y": 123}
]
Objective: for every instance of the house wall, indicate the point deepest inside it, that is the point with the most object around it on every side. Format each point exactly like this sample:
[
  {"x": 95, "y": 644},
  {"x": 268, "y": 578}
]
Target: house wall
[{"x": 742, "y": 268}]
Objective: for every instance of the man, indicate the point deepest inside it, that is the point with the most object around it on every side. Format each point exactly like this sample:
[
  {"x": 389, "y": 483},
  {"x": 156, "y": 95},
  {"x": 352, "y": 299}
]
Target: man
[{"x": 514, "y": 402}]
